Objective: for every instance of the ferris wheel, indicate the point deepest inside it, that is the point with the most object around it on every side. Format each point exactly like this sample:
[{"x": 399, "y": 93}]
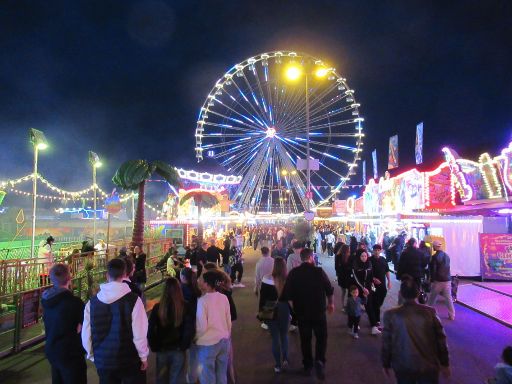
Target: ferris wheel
[{"x": 255, "y": 122}]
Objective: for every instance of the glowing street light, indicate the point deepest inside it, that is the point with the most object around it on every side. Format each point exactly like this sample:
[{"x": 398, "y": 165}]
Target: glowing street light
[
  {"x": 38, "y": 140},
  {"x": 95, "y": 162},
  {"x": 293, "y": 72}
]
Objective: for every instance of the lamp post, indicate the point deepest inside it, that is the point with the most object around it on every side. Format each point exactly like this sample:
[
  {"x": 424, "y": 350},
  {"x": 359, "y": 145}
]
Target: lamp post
[
  {"x": 293, "y": 73},
  {"x": 95, "y": 162},
  {"x": 39, "y": 142}
]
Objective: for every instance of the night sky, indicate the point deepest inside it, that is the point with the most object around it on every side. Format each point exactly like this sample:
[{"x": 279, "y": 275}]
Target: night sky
[{"x": 127, "y": 78}]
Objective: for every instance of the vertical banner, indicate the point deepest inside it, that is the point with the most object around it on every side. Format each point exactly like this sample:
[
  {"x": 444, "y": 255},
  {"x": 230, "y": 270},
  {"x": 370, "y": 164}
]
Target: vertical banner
[
  {"x": 374, "y": 159},
  {"x": 393, "y": 152},
  {"x": 496, "y": 256},
  {"x": 419, "y": 143},
  {"x": 364, "y": 172}
]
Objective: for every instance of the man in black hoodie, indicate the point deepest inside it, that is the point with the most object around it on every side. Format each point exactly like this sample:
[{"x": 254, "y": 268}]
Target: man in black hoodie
[{"x": 63, "y": 316}]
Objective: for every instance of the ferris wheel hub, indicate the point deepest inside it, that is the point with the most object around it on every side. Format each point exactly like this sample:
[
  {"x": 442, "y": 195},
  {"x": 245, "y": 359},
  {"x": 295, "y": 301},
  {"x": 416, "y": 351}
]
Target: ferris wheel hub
[{"x": 271, "y": 132}]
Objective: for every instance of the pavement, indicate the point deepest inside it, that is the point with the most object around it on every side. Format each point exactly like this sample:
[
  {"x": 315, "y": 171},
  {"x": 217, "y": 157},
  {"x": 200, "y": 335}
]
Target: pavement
[{"x": 475, "y": 345}]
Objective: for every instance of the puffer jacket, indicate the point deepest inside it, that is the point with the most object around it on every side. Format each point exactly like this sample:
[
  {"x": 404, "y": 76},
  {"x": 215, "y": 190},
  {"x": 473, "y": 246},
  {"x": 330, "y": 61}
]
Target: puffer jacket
[
  {"x": 413, "y": 340},
  {"x": 440, "y": 267}
]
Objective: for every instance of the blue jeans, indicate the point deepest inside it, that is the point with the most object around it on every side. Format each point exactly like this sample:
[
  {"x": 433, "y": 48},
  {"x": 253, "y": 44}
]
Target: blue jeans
[
  {"x": 227, "y": 268},
  {"x": 192, "y": 364},
  {"x": 213, "y": 362},
  {"x": 279, "y": 332},
  {"x": 169, "y": 365}
]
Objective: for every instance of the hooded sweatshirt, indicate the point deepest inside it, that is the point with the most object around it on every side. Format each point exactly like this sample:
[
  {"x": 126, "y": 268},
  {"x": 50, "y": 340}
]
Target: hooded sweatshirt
[
  {"x": 62, "y": 315},
  {"x": 503, "y": 373},
  {"x": 108, "y": 294}
]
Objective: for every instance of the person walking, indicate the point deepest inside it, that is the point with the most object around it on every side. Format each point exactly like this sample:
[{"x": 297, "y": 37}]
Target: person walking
[
  {"x": 440, "y": 276},
  {"x": 213, "y": 331},
  {"x": 213, "y": 253},
  {"x": 381, "y": 274},
  {"x": 354, "y": 311},
  {"x": 343, "y": 269},
  {"x": 170, "y": 332},
  {"x": 330, "y": 240},
  {"x": 412, "y": 263},
  {"x": 140, "y": 275},
  {"x": 264, "y": 267},
  {"x": 63, "y": 316},
  {"x": 294, "y": 259},
  {"x": 362, "y": 277},
  {"x": 413, "y": 341},
  {"x": 271, "y": 289},
  {"x": 307, "y": 287},
  {"x": 237, "y": 267},
  {"x": 114, "y": 333}
]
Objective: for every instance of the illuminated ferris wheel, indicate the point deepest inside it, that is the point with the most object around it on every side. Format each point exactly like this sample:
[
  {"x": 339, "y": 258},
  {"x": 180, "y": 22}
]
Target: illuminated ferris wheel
[{"x": 255, "y": 122}]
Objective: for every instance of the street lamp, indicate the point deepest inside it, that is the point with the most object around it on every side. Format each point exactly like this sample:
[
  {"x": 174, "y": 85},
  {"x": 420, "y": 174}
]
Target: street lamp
[
  {"x": 39, "y": 142},
  {"x": 293, "y": 73},
  {"x": 95, "y": 162}
]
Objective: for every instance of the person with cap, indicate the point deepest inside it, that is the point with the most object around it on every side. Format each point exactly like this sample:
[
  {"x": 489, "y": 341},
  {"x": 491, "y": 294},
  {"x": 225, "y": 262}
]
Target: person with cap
[{"x": 440, "y": 276}]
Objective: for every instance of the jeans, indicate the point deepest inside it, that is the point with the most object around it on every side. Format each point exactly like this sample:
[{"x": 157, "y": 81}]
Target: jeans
[
  {"x": 213, "y": 362},
  {"x": 192, "y": 368},
  {"x": 73, "y": 371},
  {"x": 444, "y": 288},
  {"x": 308, "y": 326},
  {"x": 227, "y": 268},
  {"x": 425, "y": 379},
  {"x": 169, "y": 365},
  {"x": 279, "y": 332},
  {"x": 124, "y": 376}
]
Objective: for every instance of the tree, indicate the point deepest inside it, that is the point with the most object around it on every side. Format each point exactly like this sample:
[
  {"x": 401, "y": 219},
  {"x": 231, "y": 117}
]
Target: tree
[
  {"x": 132, "y": 175},
  {"x": 201, "y": 199}
]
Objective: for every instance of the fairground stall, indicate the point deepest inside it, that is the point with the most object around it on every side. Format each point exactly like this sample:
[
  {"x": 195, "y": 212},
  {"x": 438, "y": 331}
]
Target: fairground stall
[{"x": 465, "y": 203}]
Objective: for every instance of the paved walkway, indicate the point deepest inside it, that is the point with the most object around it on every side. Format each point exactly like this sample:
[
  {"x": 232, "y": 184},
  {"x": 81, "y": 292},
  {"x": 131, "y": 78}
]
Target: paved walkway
[{"x": 475, "y": 344}]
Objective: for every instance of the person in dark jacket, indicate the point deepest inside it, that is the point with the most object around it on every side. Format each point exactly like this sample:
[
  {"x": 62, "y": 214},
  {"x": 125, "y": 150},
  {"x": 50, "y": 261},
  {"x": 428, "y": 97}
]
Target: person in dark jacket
[
  {"x": 128, "y": 276},
  {"x": 396, "y": 248},
  {"x": 213, "y": 253},
  {"x": 63, "y": 316},
  {"x": 307, "y": 287},
  {"x": 362, "y": 277},
  {"x": 381, "y": 274},
  {"x": 412, "y": 262},
  {"x": 413, "y": 341},
  {"x": 140, "y": 276},
  {"x": 440, "y": 277},
  {"x": 170, "y": 332},
  {"x": 343, "y": 269}
]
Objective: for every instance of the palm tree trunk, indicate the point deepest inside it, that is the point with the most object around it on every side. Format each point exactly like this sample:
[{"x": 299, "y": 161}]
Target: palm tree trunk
[
  {"x": 199, "y": 224},
  {"x": 138, "y": 227}
]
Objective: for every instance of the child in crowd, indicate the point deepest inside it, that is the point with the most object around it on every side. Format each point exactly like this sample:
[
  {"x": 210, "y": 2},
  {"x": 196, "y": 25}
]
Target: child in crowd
[
  {"x": 504, "y": 369},
  {"x": 354, "y": 311}
]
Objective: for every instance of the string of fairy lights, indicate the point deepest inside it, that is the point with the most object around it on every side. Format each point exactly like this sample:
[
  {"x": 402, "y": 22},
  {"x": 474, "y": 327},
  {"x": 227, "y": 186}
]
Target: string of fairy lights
[{"x": 65, "y": 195}]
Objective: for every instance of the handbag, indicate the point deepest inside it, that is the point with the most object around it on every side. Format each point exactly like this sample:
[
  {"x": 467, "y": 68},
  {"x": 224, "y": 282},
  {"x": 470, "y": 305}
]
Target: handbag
[{"x": 268, "y": 311}]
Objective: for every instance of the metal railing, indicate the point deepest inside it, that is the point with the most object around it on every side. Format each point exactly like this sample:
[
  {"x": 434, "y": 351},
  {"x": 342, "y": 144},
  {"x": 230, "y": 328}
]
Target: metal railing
[{"x": 23, "y": 281}]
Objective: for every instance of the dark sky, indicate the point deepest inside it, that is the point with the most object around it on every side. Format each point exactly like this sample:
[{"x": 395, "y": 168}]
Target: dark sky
[{"x": 127, "y": 78}]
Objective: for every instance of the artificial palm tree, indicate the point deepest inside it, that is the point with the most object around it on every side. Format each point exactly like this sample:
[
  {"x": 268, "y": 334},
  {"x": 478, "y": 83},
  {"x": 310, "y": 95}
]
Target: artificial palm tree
[
  {"x": 132, "y": 175},
  {"x": 202, "y": 199}
]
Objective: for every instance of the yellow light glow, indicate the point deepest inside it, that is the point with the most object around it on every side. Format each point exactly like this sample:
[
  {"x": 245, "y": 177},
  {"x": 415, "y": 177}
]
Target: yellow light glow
[
  {"x": 284, "y": 172},
  {"x": 98, "y": 164},
  {"x": 321, "y": 72},
  {"x": 294, "y": 172},
  {"x": 42, "y": 146},
  {"x": 293, "y": 72}
]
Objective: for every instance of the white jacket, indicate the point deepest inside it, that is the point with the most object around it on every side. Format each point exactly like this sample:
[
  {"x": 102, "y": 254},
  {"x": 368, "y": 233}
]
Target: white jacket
[
  {"x": 264, "y": 266},
  {"x": 110, "y": 292}
]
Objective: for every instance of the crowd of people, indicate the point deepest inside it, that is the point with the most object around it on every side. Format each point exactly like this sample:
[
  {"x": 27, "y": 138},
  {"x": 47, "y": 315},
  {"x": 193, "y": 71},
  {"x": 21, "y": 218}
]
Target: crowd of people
[{"x": 189, "y": 329}]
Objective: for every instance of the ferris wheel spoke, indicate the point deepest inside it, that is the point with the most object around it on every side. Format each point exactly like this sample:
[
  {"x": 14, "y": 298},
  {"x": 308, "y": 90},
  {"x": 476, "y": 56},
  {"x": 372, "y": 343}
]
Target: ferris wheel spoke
[
  {"x": 240, "y": 161},
  {"x": 258, "y": 110},
  {"x": 337, "y": 146},
  {"x": 249, "y": 127},
  {"x": 229, "y": 127},
  {"x": 255, "y": 112},
  {"x": 262, "y": 95},
  {"x": 256, "y": 123},
  {"x": 319, "y": 152}
]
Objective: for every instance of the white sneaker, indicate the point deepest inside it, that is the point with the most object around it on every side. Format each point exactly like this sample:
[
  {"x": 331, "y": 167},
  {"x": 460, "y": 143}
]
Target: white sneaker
[
  {"x": 292, "y": 328},
  {"x": 264, "y": 326},
  {"x": 240, "y": 285},
  {"x": 375, "y": 331},
  {"x": 355, "y": 336},
  {"x": 277, "y": 370}
]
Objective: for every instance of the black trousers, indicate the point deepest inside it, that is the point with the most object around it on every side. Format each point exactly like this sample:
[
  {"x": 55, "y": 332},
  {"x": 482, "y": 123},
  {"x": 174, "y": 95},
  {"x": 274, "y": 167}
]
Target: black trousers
[
  {"x": 378, "y": 299},
  {"x": 69, "y": 371},
  {"x": 353, "y": 323},
  {"x": 330, "y": 250},
  {"x": 237, "y": 268},
  {"x": 124, "y": 376},
  {"x": 308, "y": 326},
  {"x": 370, "y": 309}
]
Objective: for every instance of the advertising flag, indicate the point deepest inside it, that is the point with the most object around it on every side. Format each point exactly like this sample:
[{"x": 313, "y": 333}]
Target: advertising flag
[
  {"x": 419, "y": 143},
  {"x": 393, "y": 152},
  {"x": 374, "y": 159},
  {"x": 364, "y": 172}
]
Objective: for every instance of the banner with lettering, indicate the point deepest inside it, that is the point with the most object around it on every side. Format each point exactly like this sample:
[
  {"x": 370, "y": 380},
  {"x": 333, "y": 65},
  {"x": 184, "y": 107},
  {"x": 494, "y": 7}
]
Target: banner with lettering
[
  {"x": 496, "y": 256},
  {"x": 364, "y": 172},
  {"x": 374, "y": 160}
]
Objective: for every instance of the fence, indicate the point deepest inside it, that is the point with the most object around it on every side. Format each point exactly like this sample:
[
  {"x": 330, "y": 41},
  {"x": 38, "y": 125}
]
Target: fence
[{"x": 23, "y": 281}]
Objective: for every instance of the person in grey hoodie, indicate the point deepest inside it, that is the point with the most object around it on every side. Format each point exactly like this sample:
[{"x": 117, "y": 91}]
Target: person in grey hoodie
[
  {"x": 115, "y": 328},
  {"x": 63, "y": 316},
  {"x": 294, "y": 259}
]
